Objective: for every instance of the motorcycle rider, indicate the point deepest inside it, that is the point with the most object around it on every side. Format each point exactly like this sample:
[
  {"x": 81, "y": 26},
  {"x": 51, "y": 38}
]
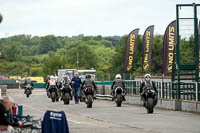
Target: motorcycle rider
[
  {"x": 66, "y": 79},
  {"x": 118, "y": 82},
  {"x": 66, "y": 82},
  {"x": 89, "y": 83},
  {"x": 52, "y": 83},
  {"x": 28, "y": 82},
  {"x": 148, "y": 83}
]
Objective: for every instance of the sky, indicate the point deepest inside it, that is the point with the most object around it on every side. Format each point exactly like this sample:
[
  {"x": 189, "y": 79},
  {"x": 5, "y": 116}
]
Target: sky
[{"x": 88, "y": 17}]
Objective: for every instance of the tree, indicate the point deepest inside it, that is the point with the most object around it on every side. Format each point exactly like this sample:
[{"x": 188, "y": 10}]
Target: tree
[
  {"x": 83, "y": 54},
  {"x": 118, "y": 57},
  {"x": 53, "y": 63},
  {"x": 36, "y": 71},
  {"x": 49, "y": 43},
  {"x": 12, "y": 52},
  {"x": 104, "y": 57},
  {"x": 13, "y": 68}
]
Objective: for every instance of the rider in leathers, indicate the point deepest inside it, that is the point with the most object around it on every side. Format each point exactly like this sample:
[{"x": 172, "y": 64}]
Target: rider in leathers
[
  {"x": 118, "y": 82},
  {"x": 28, "y": 82},
  {"x": 88, "y": 82},
  {"x": 148, "y": 83},
  {"x": 52, "y": 84},
  {"x": 66, "y": 82}
]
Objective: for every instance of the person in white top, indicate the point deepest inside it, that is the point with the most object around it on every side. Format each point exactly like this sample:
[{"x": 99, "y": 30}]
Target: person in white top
[{"x": 52, "y": 81}]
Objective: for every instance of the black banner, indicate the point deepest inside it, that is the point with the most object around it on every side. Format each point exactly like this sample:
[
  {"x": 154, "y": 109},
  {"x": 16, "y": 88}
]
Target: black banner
[
  {"x": 169, "y": 43},
  {"x": 131, "y": 44},
  {"x": 147, "y": 46},
  {"x": 199, "y": 43}
]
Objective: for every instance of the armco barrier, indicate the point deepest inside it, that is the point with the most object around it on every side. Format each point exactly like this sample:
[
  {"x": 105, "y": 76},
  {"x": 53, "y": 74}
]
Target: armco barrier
[
  {"x": 11, "y": 81},
  {"x": 16, "y": 85},
  {"x": 39, "y": 85},
  {"x": 103, "y": 87}
]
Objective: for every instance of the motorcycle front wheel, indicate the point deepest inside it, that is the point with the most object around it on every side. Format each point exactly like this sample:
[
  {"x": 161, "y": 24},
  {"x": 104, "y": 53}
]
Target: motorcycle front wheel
[{"x": 66, "y": 98}]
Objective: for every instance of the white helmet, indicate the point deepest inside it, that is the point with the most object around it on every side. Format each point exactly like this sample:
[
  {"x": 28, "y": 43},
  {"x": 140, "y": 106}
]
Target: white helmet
[
  {"x": 118, "y": 76},
  {"x": 147, "y": 77},
  {"x": 52, "y": 77}
]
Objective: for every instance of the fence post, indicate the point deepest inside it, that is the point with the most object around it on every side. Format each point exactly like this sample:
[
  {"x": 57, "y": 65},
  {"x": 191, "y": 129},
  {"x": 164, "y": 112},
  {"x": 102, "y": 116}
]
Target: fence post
[
  {"x": 162, "y": 85},
  {"x": 161, "y": 89},
  {"x": 197, "y": 91}
]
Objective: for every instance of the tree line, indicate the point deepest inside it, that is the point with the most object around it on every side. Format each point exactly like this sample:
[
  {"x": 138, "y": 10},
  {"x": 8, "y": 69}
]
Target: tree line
[{"x": 41, "y": 56}]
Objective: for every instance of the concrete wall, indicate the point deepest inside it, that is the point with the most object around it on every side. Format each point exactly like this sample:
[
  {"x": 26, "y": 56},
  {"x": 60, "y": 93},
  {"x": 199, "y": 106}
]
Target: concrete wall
[
  {"x": 191, "y": 106},
  {"x": 171, "y": 104},
  {"x": 104, "y": 89}
]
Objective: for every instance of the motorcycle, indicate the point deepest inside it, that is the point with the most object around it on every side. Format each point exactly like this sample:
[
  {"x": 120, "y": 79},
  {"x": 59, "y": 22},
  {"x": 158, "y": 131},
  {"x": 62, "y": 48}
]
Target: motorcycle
[
  {"x": 149, "y": 96},
  {"x": 28, "y": 90},
  {"x": 119, "y": 96},
  {"x": 54, "y": 93},
  {"x": 89, "y": 92},
  {"x": 66, "y": 94}
]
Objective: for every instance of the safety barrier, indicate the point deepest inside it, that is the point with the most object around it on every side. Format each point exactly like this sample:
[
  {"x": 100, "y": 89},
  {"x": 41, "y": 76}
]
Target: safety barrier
[
  {"x": 166, "y": 90},
  {"x": 39, "y": 85}
]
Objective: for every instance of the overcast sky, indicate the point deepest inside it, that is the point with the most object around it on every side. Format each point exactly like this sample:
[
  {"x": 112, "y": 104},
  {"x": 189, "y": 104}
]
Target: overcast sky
[{"x": 88, "y": 17}]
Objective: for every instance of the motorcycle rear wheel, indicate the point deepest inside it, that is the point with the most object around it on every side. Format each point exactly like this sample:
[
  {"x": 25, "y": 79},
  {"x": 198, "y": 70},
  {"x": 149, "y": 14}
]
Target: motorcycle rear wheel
[
  {"x": 89, "y": 101},
  {"x": 119, "y": 100},
  {"x": 150, "y": 105}
]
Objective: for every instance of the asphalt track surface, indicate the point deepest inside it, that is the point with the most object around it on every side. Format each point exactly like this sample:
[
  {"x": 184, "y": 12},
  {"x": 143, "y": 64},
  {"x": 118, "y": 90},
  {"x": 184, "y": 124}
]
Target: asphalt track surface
[{"x": 105, "y": 117}]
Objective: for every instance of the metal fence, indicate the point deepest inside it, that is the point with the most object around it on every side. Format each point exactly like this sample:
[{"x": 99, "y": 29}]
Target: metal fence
[
  {"x": 169, "y": 90},
  {"x": 166, "y": 90}
]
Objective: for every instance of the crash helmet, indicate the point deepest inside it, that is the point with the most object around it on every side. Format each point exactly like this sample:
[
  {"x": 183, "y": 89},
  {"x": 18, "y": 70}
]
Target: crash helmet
[
  {"x": 147, "y": 77},
  {"x": 51, "y": 77},
  {"x": 88, "y": 76},
  {"x": 118, "y": 76}
]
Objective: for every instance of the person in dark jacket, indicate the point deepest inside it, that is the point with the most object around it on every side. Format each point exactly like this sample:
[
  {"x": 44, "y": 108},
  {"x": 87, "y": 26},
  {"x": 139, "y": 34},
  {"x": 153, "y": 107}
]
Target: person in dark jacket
[
  {"x": 28, "y": 82},
  {"x": 76, "y": 86},
  {"x": 6, "y": 117},
  {"x": 148, "y": 83},
  {"x": 88, "y": 82},
  {"x": 118, "y": 82},
  {"x": 55, "y": 122}
]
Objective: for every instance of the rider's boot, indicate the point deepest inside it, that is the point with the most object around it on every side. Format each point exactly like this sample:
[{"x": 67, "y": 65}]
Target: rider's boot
[{"x": 124, "y": 99}]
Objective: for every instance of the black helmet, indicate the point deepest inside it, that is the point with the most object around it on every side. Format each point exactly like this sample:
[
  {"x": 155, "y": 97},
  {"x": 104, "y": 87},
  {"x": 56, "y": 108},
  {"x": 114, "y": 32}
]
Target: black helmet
[{"x": 88, "y": 76}]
